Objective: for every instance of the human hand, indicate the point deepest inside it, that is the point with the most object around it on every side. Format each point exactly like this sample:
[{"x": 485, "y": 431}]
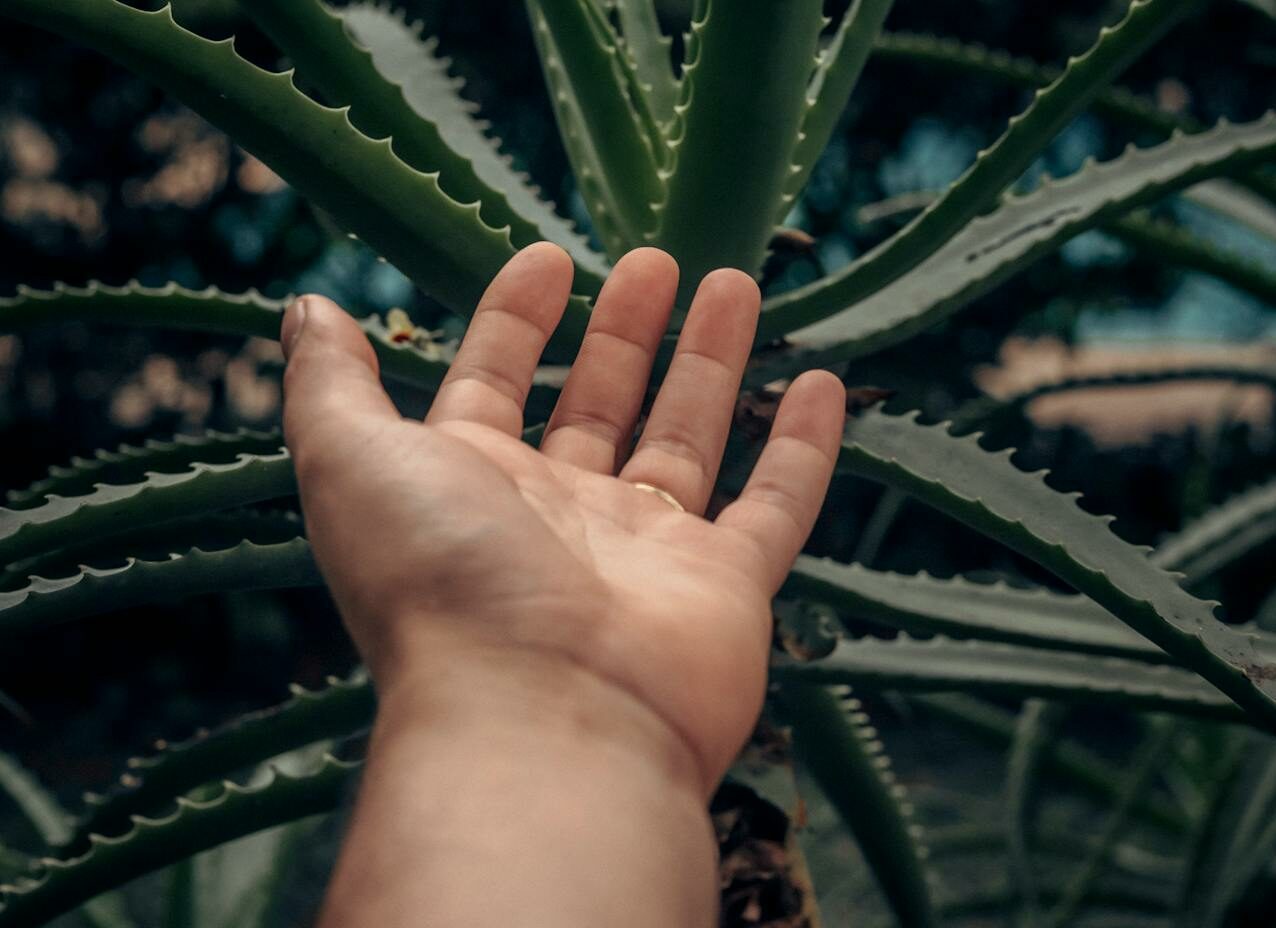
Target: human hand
[{"x": 451, "y": 544}]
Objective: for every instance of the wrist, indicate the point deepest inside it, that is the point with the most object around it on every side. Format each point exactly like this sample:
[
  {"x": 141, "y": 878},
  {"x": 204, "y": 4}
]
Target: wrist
[
  {"x": 517, "y": 787},
  {"x": 537, "y": 700}
]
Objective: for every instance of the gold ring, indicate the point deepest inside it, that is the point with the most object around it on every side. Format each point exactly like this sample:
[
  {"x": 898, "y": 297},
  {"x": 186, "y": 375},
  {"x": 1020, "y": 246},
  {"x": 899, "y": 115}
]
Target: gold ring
[{"x": 663, "y": 494}]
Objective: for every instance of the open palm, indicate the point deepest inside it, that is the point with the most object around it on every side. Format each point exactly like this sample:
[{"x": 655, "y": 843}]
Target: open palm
[{"x": 479, "y": 540}]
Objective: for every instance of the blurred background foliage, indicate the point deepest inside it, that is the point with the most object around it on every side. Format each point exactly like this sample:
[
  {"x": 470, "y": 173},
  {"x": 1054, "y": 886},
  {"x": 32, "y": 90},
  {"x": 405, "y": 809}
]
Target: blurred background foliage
[{"x": 102, "y": 177}]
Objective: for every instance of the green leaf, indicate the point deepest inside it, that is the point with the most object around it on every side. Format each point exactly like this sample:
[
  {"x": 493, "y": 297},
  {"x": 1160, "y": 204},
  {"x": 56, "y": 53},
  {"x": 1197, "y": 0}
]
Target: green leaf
[
  {"x": 1035, "y": 730},
  {"x": 734, "y": 140},
  {"x": 632, "y": 85},
  {"x": 1064, "y": 758},
  {"x": 833, "y": 740},
  {"x": 197, "y": 825},
  {"x": 159, "y": 498},
  {"x": 605, "y": 126},
  {"x": 1223, "y": 535},
  {"x": 1032, "y": 616},
  {"x": 239, "y": 884},
  {"x": 1264, "y": 6},
  {"x": 1145, "y": 766},
  {"x": 1236, "y": 203},
  {"x": 248, "y": 314},
  {"x": 41, "y": 811},
  {"x": 1113, "y": 103},
  {"x": 153, "y": 783},
  {"x": 209, "y": 310},
  {"x": 209, "y": 531},
  {"x": 996, "y": 246},
  {"x": 960, "y": 608},
  {"x": 131, "y": 463},
  {"x": 1027, "y": 135},
  {"x": 1242, "y": 806},
  {"x": 442, "y": 245},
  {"x": 171, "y": 306},
  {"x": 985, "y": 491},
  {"x": 649, "y": 51},
  {"x": 397, "y": 88},
  {"x": 42, "y": 603},
  {"x": 1059, "y": 844},
  {"x": 1155, "y": 239},
  {"x": 975, "y": 60},
  {"x": 939, "y": 665},
  {"x": 841, "y": 64},
  {"x": 51, "y": 822},
  {"x": 1172, "y": 244},
  {"x": 1124, "y": 896},
  {"x": 1253, "y": 878}
]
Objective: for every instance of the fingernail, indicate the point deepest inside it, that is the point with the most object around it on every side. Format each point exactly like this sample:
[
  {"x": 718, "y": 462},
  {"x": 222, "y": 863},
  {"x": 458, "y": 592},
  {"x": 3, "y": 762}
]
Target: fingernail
[{"x": 290, "y": 330}]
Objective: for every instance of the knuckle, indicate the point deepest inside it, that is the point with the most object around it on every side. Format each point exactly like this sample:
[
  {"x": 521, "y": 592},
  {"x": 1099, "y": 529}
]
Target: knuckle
[{"x": 676, "y": 444}]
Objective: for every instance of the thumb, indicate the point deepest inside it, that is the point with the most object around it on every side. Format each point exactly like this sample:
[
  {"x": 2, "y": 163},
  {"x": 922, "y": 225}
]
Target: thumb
[{"x": 332, "y": 389}]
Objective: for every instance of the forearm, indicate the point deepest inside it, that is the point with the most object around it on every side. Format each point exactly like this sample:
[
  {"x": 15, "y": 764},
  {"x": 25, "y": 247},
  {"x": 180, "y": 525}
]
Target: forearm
[{"x": 527, "y": 792}]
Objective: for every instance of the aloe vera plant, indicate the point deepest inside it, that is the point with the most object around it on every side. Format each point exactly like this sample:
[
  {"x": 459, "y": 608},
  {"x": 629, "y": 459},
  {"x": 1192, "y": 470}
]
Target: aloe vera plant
[{"x": 704, "y": 157}]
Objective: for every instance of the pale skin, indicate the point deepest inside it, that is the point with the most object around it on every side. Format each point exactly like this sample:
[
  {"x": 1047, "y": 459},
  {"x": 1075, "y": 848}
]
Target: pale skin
[{"x": 566, "y": 664}]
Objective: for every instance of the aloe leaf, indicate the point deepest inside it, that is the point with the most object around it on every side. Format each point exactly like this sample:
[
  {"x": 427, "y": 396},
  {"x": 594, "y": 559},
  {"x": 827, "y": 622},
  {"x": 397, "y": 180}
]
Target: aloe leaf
[
  {"x": 1155, "y": 239},
  {"x": 42, "y": 602},
  {"x": 39, "y": 809},
  {"x": 1254, "y": 874},
  {"x": 208, "y": 531},
  {"x": 397, "y": 88},
  {"x": 587, "y": 166},
  {"x": 1144, "y": 767},
  {"x": 939, "y": 665},
  {"x": 1114, "y": 103},
  {"x": 197, "y": 825},
  {"x": 152, "y": 783},
  {"x": 1222, "y": 535},
  {"x": 1129, "y": 898},
  {"x": 1229, "y": 199},
  {"x": 634, "y": 88},
  {"x": 210, "y": 310},
  {"x": 992, "y": 413},
  {"x": 421, "y": 365},
  {"x": 159, "y": 498},
  {"x": 1034, "y": 732},
  {"x": 1174, "y": 245},
  {"x": 1242, "y": 806},
  {"x": 170, "y": 306},
  {"x": 996, "y": 246},
  {"x": 1056, "y": 843},
  {"x": 1064, "y": 758},
  {"x": 650, "y": 52},
  {"x": 833, "y": 740},
  {"x": 131, "y": 463},
  {"x": 841, "y": 64},
  {"x": 241, "y": 884},
  {"x": 734, "y": 141},
  {"x": 51, "y": 822},
  {"x": 442, "y": 245},
  {"x": 988, "y": 493},
  {"x": 1237, "y": 769},
  {"x": 960, "y": 608},
  {"x": 255, "y": 870},
  {"x": 1032, "y": 616},
  {"x": 1053, "y": 107},
  {"x": 603, "y": 124},
  {"x": 952, "y": 55}
]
